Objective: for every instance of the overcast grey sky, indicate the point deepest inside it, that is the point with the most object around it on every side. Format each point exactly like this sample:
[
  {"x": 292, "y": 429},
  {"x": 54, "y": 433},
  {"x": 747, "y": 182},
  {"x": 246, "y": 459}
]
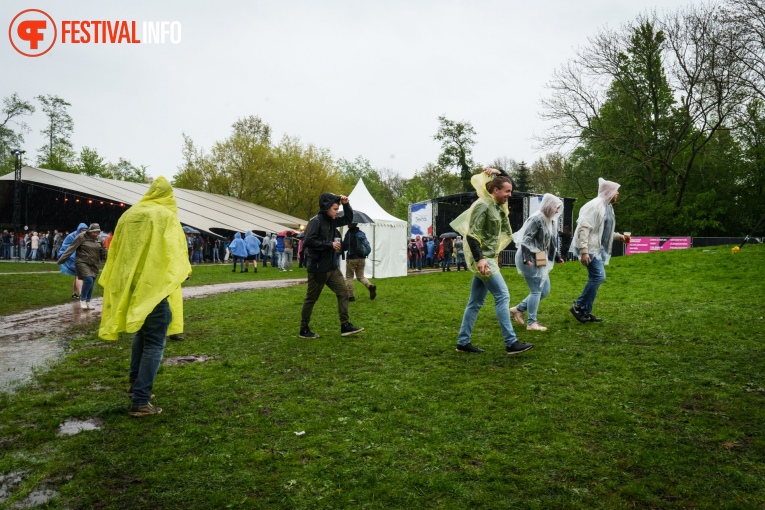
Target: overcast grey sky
[{"x": 359, "y": 78}]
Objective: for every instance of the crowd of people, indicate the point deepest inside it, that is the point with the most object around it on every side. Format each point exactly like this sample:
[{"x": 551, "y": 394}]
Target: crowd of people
[
  {"x": 36, "y": 246},
  {"x": 430, "y": 252},
  {"x": 243, "y": 249}
]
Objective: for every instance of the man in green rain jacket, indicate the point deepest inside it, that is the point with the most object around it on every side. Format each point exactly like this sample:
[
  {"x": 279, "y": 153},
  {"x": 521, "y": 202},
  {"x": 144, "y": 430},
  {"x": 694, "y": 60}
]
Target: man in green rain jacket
[
  {"x": 486, "y": 227},
  {"x": 142, "y": 278}
]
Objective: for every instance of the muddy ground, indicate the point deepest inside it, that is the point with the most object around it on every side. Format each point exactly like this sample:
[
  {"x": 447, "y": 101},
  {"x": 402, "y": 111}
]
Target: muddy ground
[{"x": 31, "y": 340}]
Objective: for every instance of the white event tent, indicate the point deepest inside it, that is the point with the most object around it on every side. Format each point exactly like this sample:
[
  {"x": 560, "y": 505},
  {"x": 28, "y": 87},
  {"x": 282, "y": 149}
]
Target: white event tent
[{"x": 387, "y": 235}]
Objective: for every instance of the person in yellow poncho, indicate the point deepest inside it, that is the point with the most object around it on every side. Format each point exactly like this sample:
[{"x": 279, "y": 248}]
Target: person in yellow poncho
[
  {"x": 146, "y": 265},
  {"x": 486, "y": 227}
]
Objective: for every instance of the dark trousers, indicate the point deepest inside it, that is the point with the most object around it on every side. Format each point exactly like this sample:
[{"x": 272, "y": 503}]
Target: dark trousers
[{"x": 316, "y": 282}]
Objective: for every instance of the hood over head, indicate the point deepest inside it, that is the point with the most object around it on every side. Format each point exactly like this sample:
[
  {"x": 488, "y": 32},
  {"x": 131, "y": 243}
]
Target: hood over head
[
  {"x": 607, "y": 189},
  {"x": 161, "y": 192},
  {"x": 326, "y": 200}
]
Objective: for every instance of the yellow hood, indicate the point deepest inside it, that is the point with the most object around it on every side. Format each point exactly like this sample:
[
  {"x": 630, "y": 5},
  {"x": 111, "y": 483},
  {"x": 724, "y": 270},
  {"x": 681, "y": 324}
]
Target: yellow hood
[{"x": 148, "y": 260}]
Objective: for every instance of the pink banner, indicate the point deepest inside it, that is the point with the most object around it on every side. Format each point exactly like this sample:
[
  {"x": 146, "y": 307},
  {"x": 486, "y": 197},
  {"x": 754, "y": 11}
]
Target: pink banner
[{"x": 649, "y": 244}]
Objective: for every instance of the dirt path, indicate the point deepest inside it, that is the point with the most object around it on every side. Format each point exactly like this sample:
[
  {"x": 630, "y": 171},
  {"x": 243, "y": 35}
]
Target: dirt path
[{"x": 32, "y": 339}]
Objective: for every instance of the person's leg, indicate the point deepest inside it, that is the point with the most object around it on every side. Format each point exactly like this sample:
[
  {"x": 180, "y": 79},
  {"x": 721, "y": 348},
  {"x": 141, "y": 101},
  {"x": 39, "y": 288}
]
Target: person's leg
[
  {"x": 531, "y": 302},
  {"x": 419, "y": 263},
  {"x": 336, "y": 284},
  {"x": 234, "y": 258},
  {"x": 315, "y": 285},
  {"x": 596, "y": 275},
  {"x": 448, "y": 261},
  {"x": 359, "y": 268},
  {"x": 349, "y": 266},
  {"x": 88, "y": 283},
  {"x": 77, "y": 286},
  {"x": 241, "y": 263},
  {"x": 498, "y": 288},
  {"x": 478, "y": 292},
  {"x": 152, "y": 336},
  {"x": 288, "y": 261}
]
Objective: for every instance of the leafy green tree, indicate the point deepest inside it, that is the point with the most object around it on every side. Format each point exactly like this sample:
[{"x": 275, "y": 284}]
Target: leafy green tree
[
  {"x": 548, "y": 175},
  {"x": 384, "y": 185},
  {"x": 124, "y": 170},
  {"x": 456, "y": 148},
  {"x": 89, "y": 162},
  {"x": 305, "y": 172},
  {"x": 522, "y": 178},
  {"x": 58, "y": 153},
  {"x": 751, "y": 182},
  {"x": 12, "y": 129}
]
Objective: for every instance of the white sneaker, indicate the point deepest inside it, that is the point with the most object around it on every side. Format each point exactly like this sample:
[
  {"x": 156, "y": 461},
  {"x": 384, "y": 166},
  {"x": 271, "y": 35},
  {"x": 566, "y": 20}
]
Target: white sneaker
[
  {"x": 83, "y": 305},
  {"x": 90, "y": 307},
  {"x": 535, "y": 327}
]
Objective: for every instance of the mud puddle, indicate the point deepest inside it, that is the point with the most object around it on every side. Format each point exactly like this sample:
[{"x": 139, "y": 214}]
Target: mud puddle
[
  {"x": 72, "y": 426},
  {"x": 33, "y": 339}
]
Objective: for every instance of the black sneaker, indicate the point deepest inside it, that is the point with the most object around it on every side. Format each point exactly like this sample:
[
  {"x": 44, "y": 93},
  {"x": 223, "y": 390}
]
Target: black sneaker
[
  {"x": 468, "y": 347},
  {"x": 351, "y": 299},
  {"x": 592, "y": 318},
  {"x": 307, "y": 333},
  {"x": 178, "y": 337},
  {"x": 518, "y": 347},
  {"x": 578, "y": 313},
  {"x": 349, "y": 329},
  {"x": 372, "y": 292}
]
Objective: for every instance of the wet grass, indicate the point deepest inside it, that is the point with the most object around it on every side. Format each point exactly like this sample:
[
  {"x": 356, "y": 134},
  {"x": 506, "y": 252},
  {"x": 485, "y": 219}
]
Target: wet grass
[
  {"x": 660, "y": 406},
  {"x": 30, "y": 291}
]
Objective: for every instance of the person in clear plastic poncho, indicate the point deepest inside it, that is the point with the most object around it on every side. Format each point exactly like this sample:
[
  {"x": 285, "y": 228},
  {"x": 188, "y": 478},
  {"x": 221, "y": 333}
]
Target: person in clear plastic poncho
[
  {"x": 592, "y": 242},
  {"x": 486, "y": 227},
  {"x": 538, "y": 235},
  {"x": 147, "y": 262}
]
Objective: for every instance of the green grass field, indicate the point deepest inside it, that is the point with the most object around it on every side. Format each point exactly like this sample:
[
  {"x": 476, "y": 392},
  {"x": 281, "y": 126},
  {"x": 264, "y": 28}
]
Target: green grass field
[{"x": 660, "y": 406}]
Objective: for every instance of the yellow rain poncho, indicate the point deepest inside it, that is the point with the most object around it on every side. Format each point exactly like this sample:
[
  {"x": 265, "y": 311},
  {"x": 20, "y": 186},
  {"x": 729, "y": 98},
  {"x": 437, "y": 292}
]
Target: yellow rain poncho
[
  {"x": 147, "y": 262},
  {"x": 487, "y": 222}
]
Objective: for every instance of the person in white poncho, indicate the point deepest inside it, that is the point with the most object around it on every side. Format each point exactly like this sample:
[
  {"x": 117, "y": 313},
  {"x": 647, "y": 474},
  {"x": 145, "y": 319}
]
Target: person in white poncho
[
  {"x": 593, "y": 239},
  {"x": 537, "y": 243}
]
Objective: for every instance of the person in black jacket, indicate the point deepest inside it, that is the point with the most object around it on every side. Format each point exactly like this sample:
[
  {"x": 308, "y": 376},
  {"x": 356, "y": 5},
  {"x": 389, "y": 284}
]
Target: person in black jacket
[
  {"x": 356, "y": 262},
  {"x": 323, "y": 248}
]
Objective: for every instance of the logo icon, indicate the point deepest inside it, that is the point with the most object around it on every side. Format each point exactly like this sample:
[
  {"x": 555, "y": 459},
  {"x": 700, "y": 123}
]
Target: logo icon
[{"x": 32, "y": 33}]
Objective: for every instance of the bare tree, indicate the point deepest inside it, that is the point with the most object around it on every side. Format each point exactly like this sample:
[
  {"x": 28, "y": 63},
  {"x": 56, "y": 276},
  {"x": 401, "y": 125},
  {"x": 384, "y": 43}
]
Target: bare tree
[
  {"x": 746, "y": 22},
  {"x": 650, "y": 95}
]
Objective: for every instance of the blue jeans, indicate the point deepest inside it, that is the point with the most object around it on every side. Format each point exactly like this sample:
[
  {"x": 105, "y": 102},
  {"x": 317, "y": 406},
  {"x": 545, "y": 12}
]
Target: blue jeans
[
  {"x": 596, "y": 274},
  {"x": 148, "y": 347},
  {"x": 88, "y": 283},
  {"x": 498, "y": 288},
  {"x": 447, "y": 261},
  {"x": 537, "y": 292},
  {"x": 7, "y": 251}
]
